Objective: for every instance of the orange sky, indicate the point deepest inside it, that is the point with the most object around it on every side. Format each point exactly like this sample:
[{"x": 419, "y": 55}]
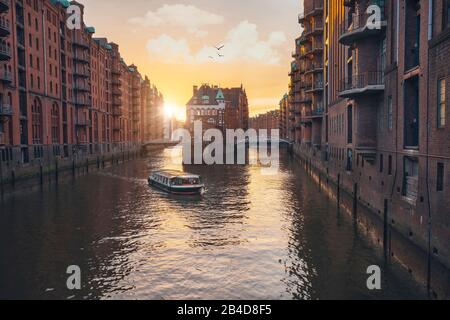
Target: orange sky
[{"x": 173, "y": 43}]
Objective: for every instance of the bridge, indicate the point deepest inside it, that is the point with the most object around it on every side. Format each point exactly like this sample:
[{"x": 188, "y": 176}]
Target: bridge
[{"x": 162, "y": 143}]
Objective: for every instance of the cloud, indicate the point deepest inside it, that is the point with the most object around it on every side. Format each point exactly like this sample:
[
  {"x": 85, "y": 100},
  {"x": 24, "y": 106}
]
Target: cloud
[
  {"x": 242, "y": 43},
  {"x": 183, "y": 16},
  {"x": 169, "y": 50}
]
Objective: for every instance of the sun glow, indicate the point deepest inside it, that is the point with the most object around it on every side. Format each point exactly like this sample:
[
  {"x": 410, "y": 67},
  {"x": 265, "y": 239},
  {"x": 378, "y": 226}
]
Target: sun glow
[{"x": 172, "y": 110}]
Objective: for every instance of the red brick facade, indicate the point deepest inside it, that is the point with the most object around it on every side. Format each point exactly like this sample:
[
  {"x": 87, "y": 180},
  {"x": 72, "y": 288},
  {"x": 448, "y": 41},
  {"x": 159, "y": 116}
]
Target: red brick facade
[
  {"x": 385, "y": 123},
  {"x": 64, "y": 92},
  {"x": 218, "y": 108}
]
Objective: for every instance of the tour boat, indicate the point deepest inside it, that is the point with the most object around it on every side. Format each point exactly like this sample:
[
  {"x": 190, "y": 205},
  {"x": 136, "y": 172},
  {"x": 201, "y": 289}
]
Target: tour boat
[{"x": 177, "y": 182}]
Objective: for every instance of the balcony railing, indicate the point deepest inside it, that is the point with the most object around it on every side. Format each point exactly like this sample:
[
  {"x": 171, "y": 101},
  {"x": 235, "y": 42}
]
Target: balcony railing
[
  {"x": 317, "y": 7},
  {"x": 82, "y": 102},
  {"x": 83, "y": 122},
  {"x": 80, "y": 42},
  {"x": 82, "y": 87},
  {"x": 5, "y": 51},
  {"x": 5, "y": 28},
  {"x": 364, "y": 83},
  {"x": 81, "y": 73},
  {"x": 5, "y": 76},
  {"x": 4, "y": 5},
  {"x": 315, "y": 86},
  {"x": 83, "y": 58},
  {"x": 5, "y": 110},
  {"x": 117, "y": 92},
  {"x": 117, "y": 112},
  {"x": 358, "y": 28},
  {"x": 314, "y": 67}
]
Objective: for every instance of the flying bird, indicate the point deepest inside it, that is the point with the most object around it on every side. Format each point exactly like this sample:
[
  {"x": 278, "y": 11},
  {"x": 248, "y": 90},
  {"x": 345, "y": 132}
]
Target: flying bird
[
  {"x": 220, "y": 48},
  {"x": 221, "y": 55}
]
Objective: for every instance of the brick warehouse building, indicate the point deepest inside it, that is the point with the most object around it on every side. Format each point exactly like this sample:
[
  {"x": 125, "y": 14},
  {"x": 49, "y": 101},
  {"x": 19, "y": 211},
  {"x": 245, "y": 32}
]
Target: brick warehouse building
[
  {"x": 218, "y": 108},
  {"x": 65, "y": 93},
  {"x": 269, "y": 121},
  {"x": 380, "y": 126}
]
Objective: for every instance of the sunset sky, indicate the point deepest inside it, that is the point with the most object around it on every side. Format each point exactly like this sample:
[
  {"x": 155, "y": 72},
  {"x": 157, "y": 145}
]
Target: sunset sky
[{"x": 173, "y": 42}]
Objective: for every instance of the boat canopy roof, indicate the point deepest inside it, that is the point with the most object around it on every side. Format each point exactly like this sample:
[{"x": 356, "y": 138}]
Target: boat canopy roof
[{"x": 176, "y": 174}]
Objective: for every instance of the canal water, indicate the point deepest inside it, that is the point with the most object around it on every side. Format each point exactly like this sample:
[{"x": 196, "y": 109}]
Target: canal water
[{"x": 250, "y": 236}]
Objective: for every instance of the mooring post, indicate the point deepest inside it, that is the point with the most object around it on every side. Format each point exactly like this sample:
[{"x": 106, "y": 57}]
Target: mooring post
[
  {"x": 13, "y": 178},
  {"x": 386, "y": 230},
  {"x": 41, "y": 174},
  {"x": 73, "y": 167},
  {"x": 1, "y": 178},
  {"x": 339, "y": 191},
  {"x": 355, "y": 201},
  {"x": 320, "y": 181},
  {"x": 87, "y": 165},
  {"x": 56, "y": 170},
  {"x": 98, "y": 162}
]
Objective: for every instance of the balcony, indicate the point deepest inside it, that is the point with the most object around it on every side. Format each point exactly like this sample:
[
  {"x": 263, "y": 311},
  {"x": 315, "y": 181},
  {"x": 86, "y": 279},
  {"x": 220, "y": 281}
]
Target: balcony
[
  {"x": 80, "y": 42},
  {"x": 358, "y": 28},
  {"x": 83, "y": 123},
  {"x": 371, "y": 82},
  {"x": 5, "y": 51},
  {"x": 81, "y": 73},
  {"x": 305, "y": 100},
  {"x": 82, "y": 102},
  {"x": 5, "y": 28},
  {"x": 116, "y": 71},
  {"x": 5, "y": 110},
  {"x": 117, "y": 101},
  {"x": 2, "y": 139},
  {"x": 316, "y": 86},
  {"x": 4, "y": 6},
  {"x": 314, "y": 67},
  {"x": 6, "y": 76},
  {"x": 117, "y": 112},
  {"x": 82, "y": 87},
  {"x": 117, "y": 92},
  {"x": 317, "y": 8},
  {"x": 81, "y": 58}
]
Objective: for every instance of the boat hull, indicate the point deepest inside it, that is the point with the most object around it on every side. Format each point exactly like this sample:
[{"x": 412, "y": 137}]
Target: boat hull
[{"x": 180, "y": 190}]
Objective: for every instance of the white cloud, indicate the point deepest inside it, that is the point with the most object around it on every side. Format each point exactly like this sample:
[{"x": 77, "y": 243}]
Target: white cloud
[
  {"x": 188, "y": 17},
  {"x": 242, "y": 43},
  {"x": 169, "y": 50}
]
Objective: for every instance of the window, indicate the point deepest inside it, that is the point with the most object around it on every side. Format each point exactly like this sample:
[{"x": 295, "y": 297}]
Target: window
[
  {"x": 390, "y": 165},
  {"x": 440, "y": 177},
  {"x": 410, "y": 178},
  {"x": 350, "y": 124},
  {"x": 446, "y": 14},
  {"x": 37, "y": 121},
  {"x": 55, "y": 124},
  {"x": 442, "y": 101},
  {"x": 381, "y": 163},
  {"x": 390, "y": 113},
  {"x": 349, "y": 159}
]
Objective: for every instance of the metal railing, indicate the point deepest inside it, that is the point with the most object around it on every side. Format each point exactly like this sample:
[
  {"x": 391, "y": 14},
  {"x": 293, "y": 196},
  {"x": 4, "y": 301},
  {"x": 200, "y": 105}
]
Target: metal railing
[
  {"x": 5, "y": 49},
  {"x": 5, "y": 109},
  {"x": 5, "y": 76},
  {"x": 359, "y": 20},
  {"x": 4, "y": 24},
  {"x": 363, "y": 80}
]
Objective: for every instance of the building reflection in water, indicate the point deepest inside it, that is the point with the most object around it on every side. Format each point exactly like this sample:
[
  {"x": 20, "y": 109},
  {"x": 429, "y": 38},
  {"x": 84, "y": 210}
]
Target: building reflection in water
[{"x": 250, "y": 236}]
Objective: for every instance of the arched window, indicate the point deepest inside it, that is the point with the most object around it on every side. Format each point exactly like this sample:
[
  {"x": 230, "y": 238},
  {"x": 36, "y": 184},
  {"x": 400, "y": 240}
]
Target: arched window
[
  {"x": 36, "y": 110},
  {"x": 55, "y": 123},
  {"x": 95, "y": 128}
]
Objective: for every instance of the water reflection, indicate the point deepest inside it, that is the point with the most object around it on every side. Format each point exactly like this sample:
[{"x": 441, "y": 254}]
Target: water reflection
[{"x": 250, "y": 236}]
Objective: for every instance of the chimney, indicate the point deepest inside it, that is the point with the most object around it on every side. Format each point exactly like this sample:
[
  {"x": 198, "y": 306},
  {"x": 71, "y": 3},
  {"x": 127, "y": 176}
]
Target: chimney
[{"x": 195, "y": 90}]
